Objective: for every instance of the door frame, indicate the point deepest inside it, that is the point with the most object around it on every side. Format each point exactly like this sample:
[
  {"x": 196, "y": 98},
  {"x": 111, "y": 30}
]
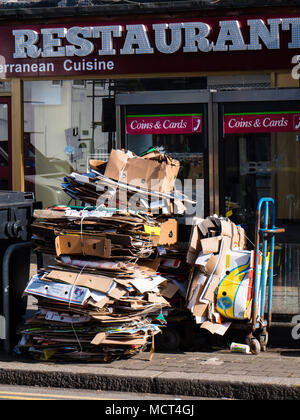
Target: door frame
[{"x": 7, "y": 172}]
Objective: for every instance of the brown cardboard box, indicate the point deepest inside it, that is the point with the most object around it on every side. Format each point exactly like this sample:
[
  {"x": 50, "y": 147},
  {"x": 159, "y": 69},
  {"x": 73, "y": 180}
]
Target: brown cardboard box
[
  {"x": 215, "y": 328},
  {"x": 235, "y": 239},
  {"x": 242, "y": 237},
  {"x": 168, "y": 233},
  {"x": 96, "y": 164},
  {"x": 196, "y": 288},
  {"x": 194, "y": 244},
  {"x": 226, "y": 228},
  {"x": 95, "y": 282},
  {"x": 145, "y": 172},
  {"x": 86, "y": 245},
  {"x": 210, "y": 291},
  {"x": 210, "y": 245},
  {"x": 216, "y": 263}
]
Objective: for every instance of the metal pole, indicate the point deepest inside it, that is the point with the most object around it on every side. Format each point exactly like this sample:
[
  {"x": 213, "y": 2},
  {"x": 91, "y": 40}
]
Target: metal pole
[
  {"x": 5, "y": 288},
  {"x": 264, "y": 267},
  {"x": 256, "y": 261}
]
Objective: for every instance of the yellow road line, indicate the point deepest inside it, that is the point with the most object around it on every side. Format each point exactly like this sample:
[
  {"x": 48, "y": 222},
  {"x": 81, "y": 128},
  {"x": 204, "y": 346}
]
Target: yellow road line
[
  {"x": 7, "y": 397},
  {"x": 8, "y": 393}
]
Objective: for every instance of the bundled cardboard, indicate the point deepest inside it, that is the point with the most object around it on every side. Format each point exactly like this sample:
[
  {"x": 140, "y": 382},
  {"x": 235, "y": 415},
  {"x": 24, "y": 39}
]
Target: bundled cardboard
[
  {"x": 102, "y": 233},
  {"x": 93, "y": 315}
]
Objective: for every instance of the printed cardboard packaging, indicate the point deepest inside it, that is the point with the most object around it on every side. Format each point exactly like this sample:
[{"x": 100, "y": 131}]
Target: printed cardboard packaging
[{"x": 235, "y": 289}]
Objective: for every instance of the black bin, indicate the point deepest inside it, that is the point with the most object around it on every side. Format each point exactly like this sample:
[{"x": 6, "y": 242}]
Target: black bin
[{"x": 16, "y": 214}]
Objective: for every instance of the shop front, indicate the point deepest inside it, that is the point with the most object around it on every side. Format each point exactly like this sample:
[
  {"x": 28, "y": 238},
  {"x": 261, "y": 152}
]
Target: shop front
[{"x": 217, "y": 93}]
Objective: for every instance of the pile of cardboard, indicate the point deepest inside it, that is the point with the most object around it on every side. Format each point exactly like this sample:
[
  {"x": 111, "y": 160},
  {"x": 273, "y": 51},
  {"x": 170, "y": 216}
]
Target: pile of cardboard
[
  {"x": 114, "y": 270},
  {"x": 221, "y": 279},
  {"x": 132, "y": 182}
]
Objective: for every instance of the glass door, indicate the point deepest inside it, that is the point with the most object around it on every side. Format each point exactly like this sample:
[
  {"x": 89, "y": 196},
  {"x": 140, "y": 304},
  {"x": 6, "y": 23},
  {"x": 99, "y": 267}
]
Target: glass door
[
  {"x": 180, "y": 131},
  {"x": 5, "y": 144},
  {"x": 259, "y": 156}
]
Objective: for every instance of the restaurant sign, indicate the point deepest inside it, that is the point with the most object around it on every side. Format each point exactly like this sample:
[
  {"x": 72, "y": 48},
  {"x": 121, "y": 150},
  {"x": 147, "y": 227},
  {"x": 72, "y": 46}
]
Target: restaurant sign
[
  {"x": 155, "y": 46},
  {"x": 262, "y": 122},
  {"x": 164, "y": 124}
]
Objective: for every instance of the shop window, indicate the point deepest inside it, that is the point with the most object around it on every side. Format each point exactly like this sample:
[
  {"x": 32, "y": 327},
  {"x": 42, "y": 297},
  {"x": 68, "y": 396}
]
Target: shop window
[
  {"x": 5, "y": 87},
  {"x": 62, "y": 130},
  {"x": 179, "y": 130},
  {"x": 259, "y": 157}
]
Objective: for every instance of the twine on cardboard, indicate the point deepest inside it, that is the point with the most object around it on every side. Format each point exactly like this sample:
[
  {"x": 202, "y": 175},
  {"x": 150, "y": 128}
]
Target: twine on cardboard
[
  {"x": 81, "y": 229},
  {"x": 74, "y": 331}
]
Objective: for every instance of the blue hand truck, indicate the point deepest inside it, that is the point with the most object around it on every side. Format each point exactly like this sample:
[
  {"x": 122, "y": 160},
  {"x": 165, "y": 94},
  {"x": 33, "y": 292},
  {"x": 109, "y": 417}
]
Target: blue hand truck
[{"x": 265, "y": 231}]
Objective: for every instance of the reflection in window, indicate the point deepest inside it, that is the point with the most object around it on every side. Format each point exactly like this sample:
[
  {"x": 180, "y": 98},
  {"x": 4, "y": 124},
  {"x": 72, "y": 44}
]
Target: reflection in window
[{"x": 62, "y": 130}]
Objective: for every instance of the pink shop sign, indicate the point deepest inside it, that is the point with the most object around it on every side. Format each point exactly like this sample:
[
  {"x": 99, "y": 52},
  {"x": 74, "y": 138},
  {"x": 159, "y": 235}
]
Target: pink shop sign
[
  {"x": 272, "y": 122},
  {"x": 164, "y": 124}
]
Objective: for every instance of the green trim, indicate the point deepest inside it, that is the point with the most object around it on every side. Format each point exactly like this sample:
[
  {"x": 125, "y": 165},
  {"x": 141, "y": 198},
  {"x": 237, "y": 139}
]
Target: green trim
[{"x": 263, "y": 113}]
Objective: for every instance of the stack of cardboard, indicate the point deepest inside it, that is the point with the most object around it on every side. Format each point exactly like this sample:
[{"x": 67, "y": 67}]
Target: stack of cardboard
[
  {"x": 104, "y": 295},
  {"x": 101, "y": 296},
  {"x": 220, "y": 282}
]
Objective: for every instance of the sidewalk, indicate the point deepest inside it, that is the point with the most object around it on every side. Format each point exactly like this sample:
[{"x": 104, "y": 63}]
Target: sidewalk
[{"x": 274, "y": 374}]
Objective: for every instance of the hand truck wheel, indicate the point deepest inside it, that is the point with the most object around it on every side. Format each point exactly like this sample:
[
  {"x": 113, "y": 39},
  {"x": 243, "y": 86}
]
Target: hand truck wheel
[
  {"x": 254, "y": 346},
  {"x": 263, "y": 340}
]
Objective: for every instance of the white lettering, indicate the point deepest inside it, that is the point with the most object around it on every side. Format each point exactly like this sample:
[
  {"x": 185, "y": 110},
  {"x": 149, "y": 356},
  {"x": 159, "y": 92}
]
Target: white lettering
[
  {"x": 25, "y": 40},
  {"x": 269, "y": 122},
  {"x": 167, "y": 124},
  {"x": 168, "y": 38},
  {"x": 86, "y": 47},
  {"x": 136, "y": 36},
  {"x": 161, "y": 36},
  {"x": 234, "y": 123},
  {"x": 196, "y": 34},
  {"x": 68, "y": 65},
  {"x": 136, "y": 125},
  {"x": 84, "y": 65},
  {"x": 107, "y": 33},
  {"x": 230, "y": 31},
  {"x": 52, "y": 42},
  {"x": 295, "y": 23},
  {"x": 258, "y": 30}
]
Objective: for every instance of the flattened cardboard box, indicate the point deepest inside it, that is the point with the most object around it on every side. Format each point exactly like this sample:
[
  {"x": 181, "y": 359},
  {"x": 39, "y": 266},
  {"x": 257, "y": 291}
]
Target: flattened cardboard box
[
  {"x": 214, "y": 328},
  {"x": 142, "y": 172},
  {"x": 210, "y": 245},
  {"x": 86, "y": 245},
  {"x": 95, "y": 282},
  {"x": 194, "y": 243}
]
